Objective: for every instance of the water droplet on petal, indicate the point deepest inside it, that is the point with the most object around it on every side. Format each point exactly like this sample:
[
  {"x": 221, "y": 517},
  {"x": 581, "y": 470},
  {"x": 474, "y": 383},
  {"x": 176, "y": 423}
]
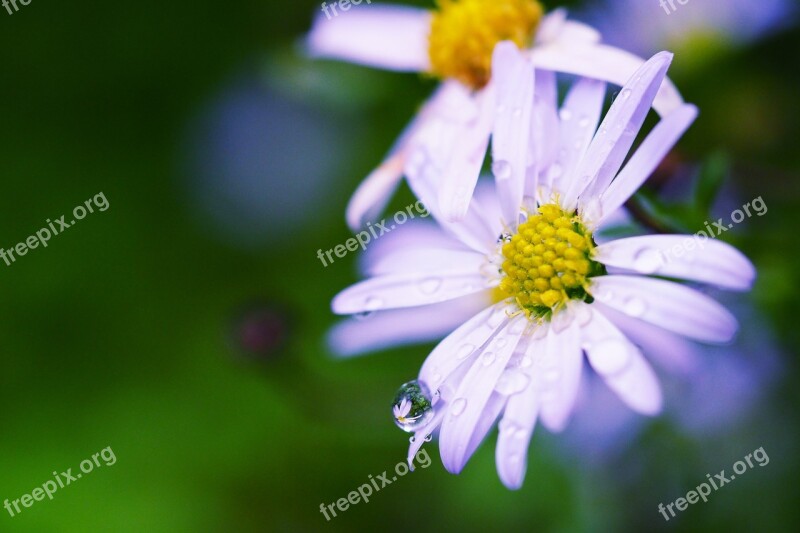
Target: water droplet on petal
[
  {"x": 458, "y": 407},
  {"x": 488, "y": 358},
  {"x": 635, "y": 307},
  {"x": 373, "y": 303},
  {"x": 501, "y": 169},
  {"x": 584, "y": 122},
  {"x": 609, "y": 356},
  {"x": 465, "y": 351},
  {"x": 526, "y": 362},
  {"x": 565, "y": 114},
  {"x": 625, "y": 94},
  {"x": 412, "y": 406},
  {"x": 429, "y": 438},
  {"x": 512, "y": 382},
  {"x": 648, "y": 260},
  {"x": 430, "y": 285}
]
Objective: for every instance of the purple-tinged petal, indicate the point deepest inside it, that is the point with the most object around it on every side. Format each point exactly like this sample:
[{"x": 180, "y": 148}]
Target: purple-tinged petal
[
  {"x": 513, "y": 79},
  {"x": 618, "y": 130},
  {"x": 646, "y": 159},
  {"x": 681, "y": 256},
  {"x": 470, "y": 399},
  {"x": 400, "y": 327},
  {"x": 621, "y": 365},
  {"x": 669, "y": 305},
  {"x": 382, "y": 36}
]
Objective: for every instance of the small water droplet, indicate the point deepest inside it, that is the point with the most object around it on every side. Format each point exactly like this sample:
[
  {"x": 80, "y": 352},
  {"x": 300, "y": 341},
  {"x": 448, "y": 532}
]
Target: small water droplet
[
  {"x": 465, "y": 351},
  {"x": 430, "y": 285},
  {"x": 512, "y": 382},
  {"x": 625, "y": 94},
  {"x": 488, "y": 358},
  {"x": 412, "y": 406},
  {"x": 526, "y": 362},
  {"x": 584, "y": 122},
  {"x": 412, "y": 439},
  {"x": 458, "y": 407},
  {"x": 373, "y": 303},
  {"x": 500, "y": 342},
  {"x": 635, "y": 307},
  {"x": 429, "y": 438},
  {"x": 609, "y": 356},
  {"x": 648, "y": 260},
  {"x": 501, "y": 169},
  {"x": 565, "y": 114}
]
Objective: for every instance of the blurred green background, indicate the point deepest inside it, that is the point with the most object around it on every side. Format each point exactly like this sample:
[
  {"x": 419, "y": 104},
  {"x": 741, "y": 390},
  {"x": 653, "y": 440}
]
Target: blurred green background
[{"x": 185, "y": 326}]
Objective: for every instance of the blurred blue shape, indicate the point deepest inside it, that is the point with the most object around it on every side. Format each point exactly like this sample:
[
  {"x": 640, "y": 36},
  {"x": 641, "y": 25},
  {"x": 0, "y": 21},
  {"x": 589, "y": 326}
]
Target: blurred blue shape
[
  {"x": 645, "y": 26},
  {"x": 262, "y": 166}
]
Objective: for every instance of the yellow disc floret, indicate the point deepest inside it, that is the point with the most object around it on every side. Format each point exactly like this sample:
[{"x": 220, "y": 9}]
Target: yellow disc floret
[
  {"x": 465, "y": 32},
  {"x": 548, "y": 262}
]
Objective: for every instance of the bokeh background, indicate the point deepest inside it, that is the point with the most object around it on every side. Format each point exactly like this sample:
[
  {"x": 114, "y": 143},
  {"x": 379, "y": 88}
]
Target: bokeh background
[{"x": 185, "y": 326}]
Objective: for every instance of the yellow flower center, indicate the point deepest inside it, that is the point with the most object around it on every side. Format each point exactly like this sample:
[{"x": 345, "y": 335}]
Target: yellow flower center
[
  {"x": 465, "y": 32},
  {"x": 548, "y": 262}
]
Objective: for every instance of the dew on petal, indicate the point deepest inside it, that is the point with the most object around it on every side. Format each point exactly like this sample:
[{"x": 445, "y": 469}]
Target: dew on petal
[
  {"x": 610, "y": 356},
  {"x": 648, "y": 260},
  {"x": 635, "y": 307},
  {"x": 512, "y": 382},
  {"x": 465, "y": 351},
  {"x": 458, "y": 407},
  {"x": 430, "y": 285},
  {"x": 412, "y": 406},
  {"x": 501, "y": 169}
]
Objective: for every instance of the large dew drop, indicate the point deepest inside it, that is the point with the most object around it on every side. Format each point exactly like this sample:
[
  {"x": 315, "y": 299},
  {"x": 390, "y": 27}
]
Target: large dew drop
[{"x": 412, "y": 407}]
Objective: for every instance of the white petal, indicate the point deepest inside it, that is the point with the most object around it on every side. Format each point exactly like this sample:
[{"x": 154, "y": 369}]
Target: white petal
[
  {"x": 422, "y": 234},
  {"x": 580, "y": 116},
  {"x": 516, "y": 429},
  {"x": 681, "y": 256},
  {"x": 372, "y": 195},
  {"x": 432, "y": 149},
  {"x": 544, "y": 137},
  {"x": 466, "y": 409},
  {"x": 407, "y": 290},
  {"x": 513, "y": 79},
  {"x": 647, "y": 158},
  {"x": 400, "y": 327},
  {"x": 390, "y": 37},
  {"x": 668, "y": 305},
  {"x": 461, "y": 345},
  {"x": 621, "y": 365},
  {"x": 557, "y": 374},
  {"x": 464, "y": 167},
  {"x": 601, "y": 62},
  {"x": 618, "y": 130},
  {"x": 673, "y": 353},
  {"x": 425, "y": 259}
]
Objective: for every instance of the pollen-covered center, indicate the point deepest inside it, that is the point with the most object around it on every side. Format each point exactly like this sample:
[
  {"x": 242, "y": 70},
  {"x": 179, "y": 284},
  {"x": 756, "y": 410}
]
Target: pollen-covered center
[
  {"x": 548, "y": 262},
  {"x": 465, "y": 32}
]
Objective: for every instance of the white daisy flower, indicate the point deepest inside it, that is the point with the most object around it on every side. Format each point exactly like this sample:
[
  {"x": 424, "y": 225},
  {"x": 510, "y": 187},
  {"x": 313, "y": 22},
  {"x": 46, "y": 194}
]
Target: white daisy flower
[
  {"x": 548, "y": 291},
  {"x": 456, "y": 43}
]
